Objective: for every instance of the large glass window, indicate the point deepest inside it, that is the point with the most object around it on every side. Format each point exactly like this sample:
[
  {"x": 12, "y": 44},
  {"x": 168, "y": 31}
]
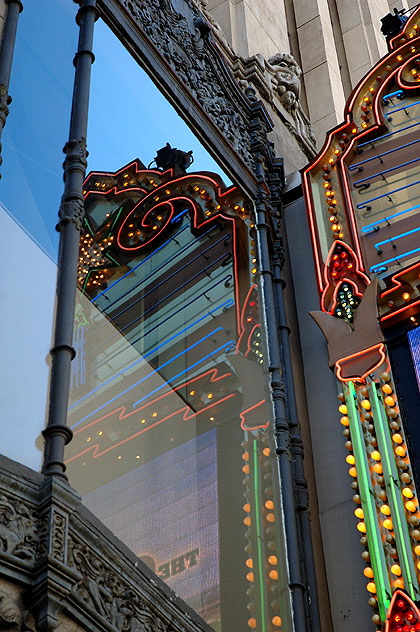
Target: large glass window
[
  {"x": 172, "y": 438},
  {"x": 30, "y": 192}
]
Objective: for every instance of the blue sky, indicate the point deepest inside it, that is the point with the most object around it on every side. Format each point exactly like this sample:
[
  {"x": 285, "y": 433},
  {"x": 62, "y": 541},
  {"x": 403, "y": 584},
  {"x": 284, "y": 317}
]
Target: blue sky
[{"x": 128, "y": 116}]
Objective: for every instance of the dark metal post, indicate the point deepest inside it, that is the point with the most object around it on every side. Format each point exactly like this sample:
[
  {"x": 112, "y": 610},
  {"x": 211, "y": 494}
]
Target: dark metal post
[
  {"x": 6, "y": 57},
  {"x": 301, "y": 485},
  {"x": 71, "y": 212},
  {"x": 276, "y": 369}
]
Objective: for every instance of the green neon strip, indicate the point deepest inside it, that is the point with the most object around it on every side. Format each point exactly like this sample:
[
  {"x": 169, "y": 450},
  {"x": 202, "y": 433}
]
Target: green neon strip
[
  {"x": 394, "y": 494},
  {"x": 117, "y": 216},
  {"x": 377, "y": 555},
  {"x": 112, "y": 259},
  {"x": 260, "y": 548},
  {"x": 88, "y": 224}
]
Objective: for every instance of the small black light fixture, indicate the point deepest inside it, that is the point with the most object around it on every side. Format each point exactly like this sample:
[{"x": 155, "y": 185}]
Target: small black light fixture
[
  {"x": 171, "y": 158},
  {"x": 392, "y": 24}
]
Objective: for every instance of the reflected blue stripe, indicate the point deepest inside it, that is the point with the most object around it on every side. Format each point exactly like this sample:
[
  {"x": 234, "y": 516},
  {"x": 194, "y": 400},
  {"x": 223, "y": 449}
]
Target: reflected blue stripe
[
  {"x": 227, "y": 304},
  {"x": 154, "y": 371}
]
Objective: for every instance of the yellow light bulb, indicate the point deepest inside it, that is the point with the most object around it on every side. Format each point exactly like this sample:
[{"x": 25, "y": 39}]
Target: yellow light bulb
[{"x": 407, "y": 492}]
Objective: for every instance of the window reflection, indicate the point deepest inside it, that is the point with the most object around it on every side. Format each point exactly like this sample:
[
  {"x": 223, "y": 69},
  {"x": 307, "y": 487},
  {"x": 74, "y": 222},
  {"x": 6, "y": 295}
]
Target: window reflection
[
  {"x": 171, "y": 443},
  {"x": 30, "y": 192}
]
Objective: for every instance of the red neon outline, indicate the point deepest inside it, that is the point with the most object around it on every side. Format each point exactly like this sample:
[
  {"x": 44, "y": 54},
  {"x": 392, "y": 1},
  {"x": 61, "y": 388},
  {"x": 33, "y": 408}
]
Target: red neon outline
[
  {"x": 357, "y": 273},
  {"x": 186, "y": 417},
  {"x": 242, "y": 415},
  {"x": 219, "y": 194},
  {"x": 400, "y": 594},
  {"x": 396, "y": 281},
  {"x": 144, "y": 224},
  {"x": 382, "y": 351},
  {"x": 399, "y": 311},
  {"x": 332, "y": 136},
  {"x": 212, "y": 373},
  {"x": 242, "y": 325}
]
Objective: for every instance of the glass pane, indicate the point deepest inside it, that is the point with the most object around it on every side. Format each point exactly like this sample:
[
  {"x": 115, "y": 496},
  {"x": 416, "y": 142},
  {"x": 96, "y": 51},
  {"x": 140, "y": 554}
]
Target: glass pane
[
  {"x": 30, "y": 192},
  {"x": 171, "y": 426}
]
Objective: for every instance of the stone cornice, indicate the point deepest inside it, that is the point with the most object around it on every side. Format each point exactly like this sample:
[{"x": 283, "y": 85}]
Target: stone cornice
[{"x": 65, "y": 564}]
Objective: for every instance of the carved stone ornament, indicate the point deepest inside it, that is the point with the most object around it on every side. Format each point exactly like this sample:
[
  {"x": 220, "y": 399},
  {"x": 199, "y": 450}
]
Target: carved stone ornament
[
  {"x": 18, "y": 535},
  {"x": 277, "y": 80},
  {"x": 179, "y": 32},
  {"x": 109, "y": 595},
  {"x": 14, "y": 617}
]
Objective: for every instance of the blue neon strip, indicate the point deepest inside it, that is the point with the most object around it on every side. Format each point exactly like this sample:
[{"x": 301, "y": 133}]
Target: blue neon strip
[
  {"x": 378, "y": 267},
  {"x": 382, "y": 173},
  {"x": 391, "y": 151},
  {"x": 388, "y": 135},
  {"x": 165, "y": 298},
  {"x": 387, "y": 241},
  {"x": 390, "y": 95},
  {"x": 225, "y": 346},
  {"x": 151, "y": 255},
  {"x": 363, "y": 205},
  {"x": 177, "y": 217},
  {"x": 403, "y": 107},
  {"x": 121, "y": 373},
  {"x": 369, "y": 227}
]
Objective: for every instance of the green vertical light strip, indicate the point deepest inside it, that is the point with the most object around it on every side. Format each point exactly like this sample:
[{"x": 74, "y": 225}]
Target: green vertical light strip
[
  {"x": 260, "y": 547},
  {"x": 377, "y": 555},
  {"x": 394, "y": 494}
]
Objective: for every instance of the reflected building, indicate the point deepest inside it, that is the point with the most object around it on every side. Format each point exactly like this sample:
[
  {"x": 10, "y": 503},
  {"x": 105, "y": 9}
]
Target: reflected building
[{"x": 171, "y": 446}]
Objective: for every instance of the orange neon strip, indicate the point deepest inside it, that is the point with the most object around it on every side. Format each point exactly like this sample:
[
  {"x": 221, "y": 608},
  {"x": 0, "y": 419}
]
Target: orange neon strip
[
  {"x": 400, "y": 311},
  {"x": 380, "y": 347}
]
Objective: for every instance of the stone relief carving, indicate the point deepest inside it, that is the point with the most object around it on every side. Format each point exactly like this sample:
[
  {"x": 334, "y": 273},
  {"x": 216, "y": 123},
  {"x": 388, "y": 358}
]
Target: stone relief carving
[
  {"x": 277, "y": 80},
  {"x": 184, "y": 43},
  {"x": 17, "y": 528},
  {"x": 105, "y": 592},
  {"x": 13, "y": 615}
]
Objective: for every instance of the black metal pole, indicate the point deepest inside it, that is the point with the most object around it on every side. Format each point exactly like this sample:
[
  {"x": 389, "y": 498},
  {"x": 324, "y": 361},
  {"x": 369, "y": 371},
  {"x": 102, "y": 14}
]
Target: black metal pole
[
  {"x": 6, "y": 57},
  {"x": 301, "y": 485},
  {"x": 57, "y": 434}
]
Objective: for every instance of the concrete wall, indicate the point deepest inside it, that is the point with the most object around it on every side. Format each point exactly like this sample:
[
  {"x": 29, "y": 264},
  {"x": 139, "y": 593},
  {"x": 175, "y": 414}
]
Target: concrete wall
[{"x": 252, "y": 26}]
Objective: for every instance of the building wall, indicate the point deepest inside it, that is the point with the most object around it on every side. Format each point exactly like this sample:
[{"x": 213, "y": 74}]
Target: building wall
[{"x": 334, "y": 41}]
